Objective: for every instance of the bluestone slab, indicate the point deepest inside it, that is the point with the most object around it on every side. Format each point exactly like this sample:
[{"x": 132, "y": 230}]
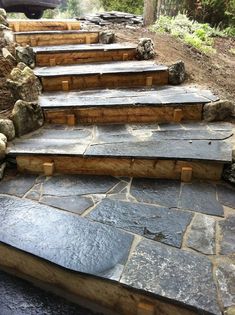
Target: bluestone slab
[
  {"x": 64, "y": 239},
  {"x": 227, "y": 227}
]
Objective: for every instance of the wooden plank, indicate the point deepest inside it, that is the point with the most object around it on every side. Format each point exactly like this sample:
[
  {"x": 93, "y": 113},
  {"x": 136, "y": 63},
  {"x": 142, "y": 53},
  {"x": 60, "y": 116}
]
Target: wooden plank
[
  {"x": 124, "y": 114},
  {"x": 186, "y": 174},
  {"x": 80, "y": 57},
  {"x": 86, "y": 82},
  {"x": 162, "y": 169},
  {"x": 48, "y": 168},
  {"x": 55, "y": 38},
  {"x": 43, "y": 25}
]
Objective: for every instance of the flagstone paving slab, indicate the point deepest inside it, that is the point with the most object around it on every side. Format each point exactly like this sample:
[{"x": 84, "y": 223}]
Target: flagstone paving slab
[
  {"x": 160, "y": 224},
  {"x": 160, "y": 192},
  {"x": 202, "y": 234},
  {"x": 172, "y": 273},
  {"x": 227, "y": 227},
  {"x": 200, "y": 197},
  {"x": 17, "y": 186},
  {"x": 73, "y": 185},
  {"x": 75, "y": 204},
  {"x": 18, "y": 297},
  {"x": 225, "y": 274},
  {"x": 67, "y": 240},
  {"x": 226, "y": 195}
]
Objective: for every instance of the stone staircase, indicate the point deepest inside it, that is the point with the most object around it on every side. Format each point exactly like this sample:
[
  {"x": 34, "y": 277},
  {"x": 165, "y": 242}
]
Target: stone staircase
[{"x": 152, "y": 232}]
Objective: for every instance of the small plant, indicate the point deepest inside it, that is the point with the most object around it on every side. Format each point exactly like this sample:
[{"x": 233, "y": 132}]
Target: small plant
[{"x": 197, "y": 35}]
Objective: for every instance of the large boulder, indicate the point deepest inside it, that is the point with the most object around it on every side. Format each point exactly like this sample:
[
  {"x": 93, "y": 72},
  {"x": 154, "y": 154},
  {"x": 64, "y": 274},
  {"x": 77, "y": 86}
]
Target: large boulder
[
  {"x": 107, "y": 37},
  {"x": 26, "y": 55},
  {"x": 3, "y": 147},
  {"x": 177, "y": 73},
  {"x": 24, "y": 84},
  {"x": 219, "y": 110},
  {"x": 27, "y": 116},
  {"x": 145, "y": 49},
  {"x": 7, "y": 128},
  {"x": 3, "y": 17}
]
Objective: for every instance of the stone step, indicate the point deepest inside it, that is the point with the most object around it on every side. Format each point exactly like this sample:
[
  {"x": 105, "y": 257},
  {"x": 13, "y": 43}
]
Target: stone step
[
  {"x": 43, "y": 25},
  {"x": 169, "y": 151},
  {"x": 79, "y": 54},
  {"x": 129, "y": 245},
  {"x": 160, "y": 104},
  {"x": 52, "y": 38},
  {"x": 102, "y": 75}
]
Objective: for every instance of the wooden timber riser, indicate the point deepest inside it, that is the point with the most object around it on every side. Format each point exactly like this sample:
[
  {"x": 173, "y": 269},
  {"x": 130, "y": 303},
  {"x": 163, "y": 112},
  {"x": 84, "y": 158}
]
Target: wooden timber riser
[
  {"x": 57, "y": 38},
  {"x": 161, "y": 169},
  {"x": 85, "y": 82},
  {"x": 69, "y": 58},
  {"x": 108, "y": 294},
  {"x": 115, "y": 115},
  {"x": 43, "y": 25}
]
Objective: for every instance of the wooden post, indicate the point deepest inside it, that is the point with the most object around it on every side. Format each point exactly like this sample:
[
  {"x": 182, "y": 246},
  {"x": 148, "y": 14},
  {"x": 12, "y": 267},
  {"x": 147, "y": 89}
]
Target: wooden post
[
  {"x": 186, "y": 174},
  {"x": 48, "y": 168},
  {"x": 149, "y": 81},
  {"x": 178, "y": 115},
  {"x": 71, "y": 120},
  {"x": 125, "y": 57},
  {"x": 65, "y": 86},
  {"x": 52, "y": 62},
  {"x": 145, "y": 309}
]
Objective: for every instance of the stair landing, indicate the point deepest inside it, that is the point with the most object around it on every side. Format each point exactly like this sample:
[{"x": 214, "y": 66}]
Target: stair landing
[{"x": 120, "y": 241}]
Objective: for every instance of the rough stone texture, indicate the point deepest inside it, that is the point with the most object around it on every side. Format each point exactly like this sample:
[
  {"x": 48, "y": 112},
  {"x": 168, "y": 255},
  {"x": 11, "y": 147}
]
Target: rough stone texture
[
  {"x": 76, "y": 204},
  {"x": 229, "y": 173},
  {"x": 2, "y": 170},
  {"x": 73, "y": 185},
  {"x": 26, "y": 55},
  {"x": 3, "y": 17},
  {"x": 177, "y": 73},
  {"x": 2, "y": 149},
  {"x": 17, "y": 186},
  {"x": 202, "y": 234},
  {"x": 200, "y": 197},
  {"x": 107, "y": 37},
  {"x": 230, "y": 311},
  {"x": 227, "y": 227},
  {"x": 69, "y": 241},
  {"x": 219, "y": 110},
  {"x": 174, "y": 274},
  {"x": 24, "y": 84},
  {"x": 226, "y": 195},
  {"x": 6, "y": 98},
  {"x": 18, "y": 297},
  {"x": 160, "y": 192},
  {"x": 159, "y": 224},
  {"x": 27, "y": 116},
  {"x": 8, "y": 56},
  {"x": 145, "y": 49},
  {"x": 3, "y": 138},
  {"x": 7, "y": 128},
  {"x": 225, "y": 274}
]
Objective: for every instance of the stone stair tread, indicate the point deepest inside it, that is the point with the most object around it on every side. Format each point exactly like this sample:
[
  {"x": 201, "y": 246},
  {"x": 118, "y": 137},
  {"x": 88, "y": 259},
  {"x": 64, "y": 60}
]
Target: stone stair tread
[
  {"x": 83, "y": 47},
  {"x": 126, "y": 97},
  {"x": 100, "y": 68},
  {"x": 122, "y": 141}
]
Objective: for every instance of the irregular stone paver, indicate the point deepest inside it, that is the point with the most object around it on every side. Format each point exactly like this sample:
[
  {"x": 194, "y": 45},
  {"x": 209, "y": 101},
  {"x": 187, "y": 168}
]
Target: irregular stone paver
[
  {"x": 160, "y": 224},
  {"x": 161, "y": 192},
  {"x": 17, "y": 186},
  {"x": 200, "y": 197},
  {"x": 76, "y": 204},
  {"x": 67, "y": 240},
  {"x": 227, "y": 227},
  {"x": 225, "y": 274},
  {"x": 18, "y": 297},
  {"x": 202, "y": 234},
  {"x": 226, "y": 195},
  {"x": 71, "y": 185},
  {"x": 172, "y": 273}
]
